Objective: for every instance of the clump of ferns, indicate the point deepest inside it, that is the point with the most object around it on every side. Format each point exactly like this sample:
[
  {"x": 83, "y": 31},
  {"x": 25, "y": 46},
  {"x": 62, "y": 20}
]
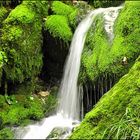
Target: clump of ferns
[{"x": 127, "y": 128}]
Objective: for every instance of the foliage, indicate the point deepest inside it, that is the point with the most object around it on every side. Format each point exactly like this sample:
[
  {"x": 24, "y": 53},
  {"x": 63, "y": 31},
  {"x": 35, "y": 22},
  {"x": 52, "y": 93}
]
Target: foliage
[
  {"x": 24, "y": 107},
  {"x": 58, "y": 27},
  {"x": 100, "y": 56},
  {"x": 116, "y": 115}
]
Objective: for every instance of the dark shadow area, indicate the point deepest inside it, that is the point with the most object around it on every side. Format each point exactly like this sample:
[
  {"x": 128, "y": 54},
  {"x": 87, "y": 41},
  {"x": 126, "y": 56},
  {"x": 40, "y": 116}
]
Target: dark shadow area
[
  {"x": 93, "y": 91},
  {"x": 10, "y": 3},
  {"x": 54, "y": 55}
]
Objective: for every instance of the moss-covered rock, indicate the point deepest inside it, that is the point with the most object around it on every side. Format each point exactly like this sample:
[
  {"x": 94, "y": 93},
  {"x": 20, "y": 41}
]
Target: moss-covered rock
[
  {"x": 63, "y": 20},
  {"x": 22, "y": 40},
  {"x": 100, "y": 56},
  {"x": 116, "y": 115}
]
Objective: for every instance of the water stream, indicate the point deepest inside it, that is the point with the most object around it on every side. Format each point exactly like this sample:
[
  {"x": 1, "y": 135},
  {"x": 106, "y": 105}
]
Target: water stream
[{"x": 70, "y": 106}]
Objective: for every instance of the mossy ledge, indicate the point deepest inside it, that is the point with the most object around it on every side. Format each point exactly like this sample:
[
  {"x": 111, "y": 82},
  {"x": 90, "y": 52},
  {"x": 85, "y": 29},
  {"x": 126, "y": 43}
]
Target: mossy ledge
[
  {"x": 63, "y": 20},
  {"x": 116, "y": 115},
  {"x": 101, "y": 56}
]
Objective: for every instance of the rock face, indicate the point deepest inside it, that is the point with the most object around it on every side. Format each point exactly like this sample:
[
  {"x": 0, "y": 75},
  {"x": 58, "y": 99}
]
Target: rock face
[{"x": 116, "y": 115}]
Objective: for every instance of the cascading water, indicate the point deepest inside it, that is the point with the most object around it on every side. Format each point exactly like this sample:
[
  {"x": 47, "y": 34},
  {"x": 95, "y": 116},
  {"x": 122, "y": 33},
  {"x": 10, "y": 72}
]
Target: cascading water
[{"x": 68, "y": 110}]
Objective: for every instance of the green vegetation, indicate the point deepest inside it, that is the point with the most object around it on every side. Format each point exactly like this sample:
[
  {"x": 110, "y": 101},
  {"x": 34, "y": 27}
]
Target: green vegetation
[
  {"x": 62, "y": 21},
  {"x": 22, "y": 40},
  {"x": 101, "y": 56},
  {"x": 22, "y": 26},
  {"x": 116, "y": 115},
  {"x": 23, "y": 109},
  {"x": 3, "y": 11},
  {"x": 58, "y": 27},
  {"x": 6, "y": 134},
  {"x": 59, "y": 8},
  {"x": 20, "y": 64}
]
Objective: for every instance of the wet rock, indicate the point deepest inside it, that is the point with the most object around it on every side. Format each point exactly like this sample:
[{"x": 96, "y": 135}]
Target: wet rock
[
  {"x": 43, "y": 93},
  {"x": 59, "y": 133}
]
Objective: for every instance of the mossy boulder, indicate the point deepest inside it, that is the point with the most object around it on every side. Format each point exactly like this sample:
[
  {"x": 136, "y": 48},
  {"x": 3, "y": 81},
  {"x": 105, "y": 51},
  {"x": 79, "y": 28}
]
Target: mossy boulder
[
  {"x": 22, "y": 40},
  {"x": 102, "y": 56},
  {"x": 116, "y": 115},
  {"x": 63, "y": 20}
]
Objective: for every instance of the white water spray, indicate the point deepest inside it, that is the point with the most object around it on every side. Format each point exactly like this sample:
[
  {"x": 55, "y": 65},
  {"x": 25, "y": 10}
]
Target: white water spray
[{"x": 69, "y": 100}]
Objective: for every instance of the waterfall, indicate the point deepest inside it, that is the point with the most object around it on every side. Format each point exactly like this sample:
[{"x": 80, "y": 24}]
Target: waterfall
[
  {"x": 68, "y": 97},
  {"x": 68, "y": 111}
]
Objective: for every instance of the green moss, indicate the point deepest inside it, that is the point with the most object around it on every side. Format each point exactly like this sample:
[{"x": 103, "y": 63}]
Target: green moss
[
  {"x": 107, "y": 3},
  {"x": 3, "y": 12},
  {"x": 22, "y": 108},
  {"x": 22, "y": 41},
  {"x": 13, "y": 33},
  {"x": 36, "y": 110},
  {"x": 58, "y": 26},
  {"x": 116, "y": 115},
  {"x": 6, "y": 133},
  {"x": 21, "y": 14},
  {"x": 2, "y": 101},
  {"x": 59, "y": 8},
  {"x": 100, "y": 56},
  {"x": 73, "y": 18},
  {"x": 63, "y": 20}
]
